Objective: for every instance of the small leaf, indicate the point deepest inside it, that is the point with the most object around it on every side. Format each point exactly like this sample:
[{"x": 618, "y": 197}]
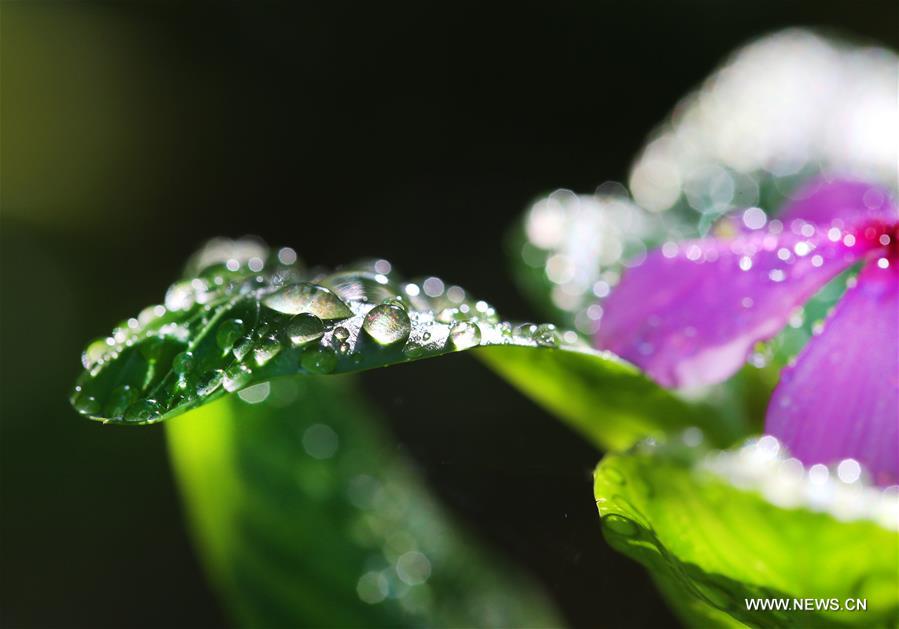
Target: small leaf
[
  {"x": 244, "y": 315},
  {"x": 305, "y": 515},
  {"x": 717, "y": 528}
]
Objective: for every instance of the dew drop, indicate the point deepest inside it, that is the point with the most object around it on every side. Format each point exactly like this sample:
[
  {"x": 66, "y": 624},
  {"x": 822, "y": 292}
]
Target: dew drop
[
  {"x": 304, "y": 328},
  {"x": 177, "y": 399},
  {"x": 546, "y": 335},
  {"x": 95, "y": 352},
  {"x": 150, "y": 314},
  {"x": 343, "y": 348},
  {"x": 242, "y": 347},
  {"x": 236, "y": 376},
  {"x": 266, "y": 349},
  {"x": 464, "y": 335},
  {"x": 448, "y": 315},
  {"x": 414, "y": 351},
  {"x": 341, "y": 333},
  {"x": 228, "y": 332},
  {"x": 397, "y": 301},
  {"x": 360, "y": 286},
  {"x": 183, "y": 363},
  {"x": 209, "y": 382},
  {"x": 525, "y": 331},
  {"x": 318, "y": 360},
  {"x": 310, "y": 299},
  {"x": 180, "y": 296},
  {"x": 143, "y": 411},
  {"x": 387, "y": 324},
  {"x": 262, "y": 330}
]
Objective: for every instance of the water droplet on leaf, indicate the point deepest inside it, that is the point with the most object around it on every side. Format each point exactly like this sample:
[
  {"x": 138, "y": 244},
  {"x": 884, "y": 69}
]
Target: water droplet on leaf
[
  {"x": 236, "y": 376},
  {"x": 414, "y": 351},
  {"x": 183, "y": 363},
  {"x": 266, "y": 349},
  {"x": 228, "y": 332},
  {"x": 95, "y": 353},
  {"x": 310, "y": 299},
  {"x": 304, "y": 328},
  {"x": 209, "y": 382},
  {"x": 360, "y": 286},
  {"x": 448, "y": 315},
  {"x": 242, "y": 347},
  {"x": 180, "y": 296},
  {"x": 525, "y": 331},
  {"x": 143, "y": 411},
  {"x": 464, "y": 335},
  {"x": 387, "y": 324},
  {"x": 546, "y": 335}
]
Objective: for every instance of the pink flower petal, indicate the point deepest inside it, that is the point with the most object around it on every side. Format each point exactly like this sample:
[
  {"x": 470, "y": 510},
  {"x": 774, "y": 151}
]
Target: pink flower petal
[
  {"x": 841, "y": 399},
  {"x": 841, "y": 202},
  {"x": 692, "y": 318}
]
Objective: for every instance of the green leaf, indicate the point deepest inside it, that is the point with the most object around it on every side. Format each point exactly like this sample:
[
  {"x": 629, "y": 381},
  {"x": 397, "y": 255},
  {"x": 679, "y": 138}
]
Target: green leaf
[
  {"x": 717, "y": 528},
  {"x": 307, "y": 516},
  {"x": 243, "y": 315},
  {"x": 607, "y": 400}
]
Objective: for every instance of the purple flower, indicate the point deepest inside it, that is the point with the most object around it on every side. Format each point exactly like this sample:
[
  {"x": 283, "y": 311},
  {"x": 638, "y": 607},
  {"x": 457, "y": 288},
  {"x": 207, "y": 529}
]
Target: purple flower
[{"x": 690, "y": 315}]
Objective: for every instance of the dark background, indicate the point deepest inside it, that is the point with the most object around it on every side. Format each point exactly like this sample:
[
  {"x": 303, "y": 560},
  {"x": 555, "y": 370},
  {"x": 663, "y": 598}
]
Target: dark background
[{"x": 132, "y": 132}]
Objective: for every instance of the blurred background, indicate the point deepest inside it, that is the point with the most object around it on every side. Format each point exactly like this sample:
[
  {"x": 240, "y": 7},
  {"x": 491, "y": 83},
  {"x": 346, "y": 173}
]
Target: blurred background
[{"x": 131, "y": 132}]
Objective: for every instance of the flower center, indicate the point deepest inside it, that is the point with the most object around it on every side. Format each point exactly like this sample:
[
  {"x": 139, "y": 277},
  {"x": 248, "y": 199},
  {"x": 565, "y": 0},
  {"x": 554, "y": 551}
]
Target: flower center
[{"x": 880, "y": 237}]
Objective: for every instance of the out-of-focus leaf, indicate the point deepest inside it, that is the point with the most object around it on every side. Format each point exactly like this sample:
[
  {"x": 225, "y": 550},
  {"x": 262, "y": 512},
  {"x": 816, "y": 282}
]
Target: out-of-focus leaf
[
  {"x": 718, "y": 528},
  {"x": 606, "y": 399},
  {"x": 243, "y": 315},
  {"x": 306, "y": 516}
]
